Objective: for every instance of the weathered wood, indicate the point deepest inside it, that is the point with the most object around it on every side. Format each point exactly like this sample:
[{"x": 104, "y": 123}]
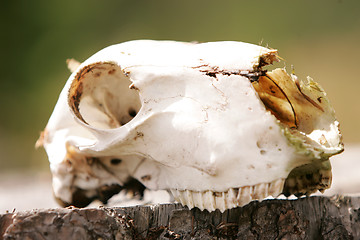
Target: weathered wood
[{"x": 306, "y": 218}]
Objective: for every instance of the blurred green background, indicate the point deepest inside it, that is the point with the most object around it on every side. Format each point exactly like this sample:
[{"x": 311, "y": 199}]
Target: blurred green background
[{"x": 319, "y": 37}]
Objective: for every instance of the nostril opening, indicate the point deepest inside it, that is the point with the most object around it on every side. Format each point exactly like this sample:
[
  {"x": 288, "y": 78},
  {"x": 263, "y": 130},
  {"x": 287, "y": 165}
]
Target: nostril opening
[
  {"x": 115, "y": 161},
  {"x": 132, "y": 112}
]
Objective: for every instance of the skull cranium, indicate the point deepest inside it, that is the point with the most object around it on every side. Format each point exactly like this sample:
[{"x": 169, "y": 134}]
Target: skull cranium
[{"x": 203, "y": 121}]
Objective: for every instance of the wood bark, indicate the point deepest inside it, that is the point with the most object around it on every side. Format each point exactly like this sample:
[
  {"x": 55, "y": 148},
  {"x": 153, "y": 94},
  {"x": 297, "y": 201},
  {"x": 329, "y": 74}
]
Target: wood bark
[{"x": 306, "y": 218}]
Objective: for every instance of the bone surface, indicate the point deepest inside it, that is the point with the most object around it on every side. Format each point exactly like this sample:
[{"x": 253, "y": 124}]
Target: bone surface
[{"x": 202, "y": 120}]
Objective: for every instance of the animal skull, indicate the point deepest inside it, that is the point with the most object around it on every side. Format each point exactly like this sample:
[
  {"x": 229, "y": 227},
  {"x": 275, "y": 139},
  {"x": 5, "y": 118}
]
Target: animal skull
[{"x": 202, "y": 120}]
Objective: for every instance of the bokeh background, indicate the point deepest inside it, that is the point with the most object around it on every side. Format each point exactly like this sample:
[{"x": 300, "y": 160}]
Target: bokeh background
[{"x": 320, "y": 38}]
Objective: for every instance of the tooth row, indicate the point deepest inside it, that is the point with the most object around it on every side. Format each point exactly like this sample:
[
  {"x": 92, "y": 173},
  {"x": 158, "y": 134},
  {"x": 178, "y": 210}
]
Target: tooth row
[{"x": 232, "y": 198}]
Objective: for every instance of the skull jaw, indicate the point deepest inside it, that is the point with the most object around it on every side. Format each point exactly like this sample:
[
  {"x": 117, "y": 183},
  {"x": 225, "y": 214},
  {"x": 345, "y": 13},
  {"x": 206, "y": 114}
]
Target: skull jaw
[{"x": 303, "y": 180}]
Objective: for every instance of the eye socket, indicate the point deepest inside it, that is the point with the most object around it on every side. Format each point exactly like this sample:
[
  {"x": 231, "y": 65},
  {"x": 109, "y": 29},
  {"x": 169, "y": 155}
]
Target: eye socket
[
  {"x": 102, "y": 95},
  {"x": 115, "y": 161}
]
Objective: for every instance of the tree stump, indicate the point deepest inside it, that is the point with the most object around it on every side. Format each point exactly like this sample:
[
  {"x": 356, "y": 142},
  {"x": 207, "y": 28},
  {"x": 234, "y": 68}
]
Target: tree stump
[{"x": 306, "y": 218}]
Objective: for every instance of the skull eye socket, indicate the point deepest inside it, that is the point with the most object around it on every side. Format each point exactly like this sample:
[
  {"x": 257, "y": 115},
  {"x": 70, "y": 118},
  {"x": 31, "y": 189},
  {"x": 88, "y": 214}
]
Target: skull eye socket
[{"x": 100, "y": 96}]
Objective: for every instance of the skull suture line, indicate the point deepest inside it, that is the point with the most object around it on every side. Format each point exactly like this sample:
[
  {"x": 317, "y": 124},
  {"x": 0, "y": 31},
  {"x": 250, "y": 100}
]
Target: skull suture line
[{"x": 203, "y": 121}]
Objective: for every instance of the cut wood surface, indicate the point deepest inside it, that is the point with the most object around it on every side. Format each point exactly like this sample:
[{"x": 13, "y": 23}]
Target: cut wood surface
[{"x": 315, "y": 217}]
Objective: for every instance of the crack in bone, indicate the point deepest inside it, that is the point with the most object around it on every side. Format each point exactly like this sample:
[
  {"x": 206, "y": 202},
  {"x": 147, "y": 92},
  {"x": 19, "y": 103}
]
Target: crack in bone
[{"x": 212, "y": 71}]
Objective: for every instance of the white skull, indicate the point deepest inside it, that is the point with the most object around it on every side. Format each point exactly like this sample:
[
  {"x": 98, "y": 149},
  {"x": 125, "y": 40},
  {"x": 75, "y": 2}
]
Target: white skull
[{"x": 203, "y": 121}]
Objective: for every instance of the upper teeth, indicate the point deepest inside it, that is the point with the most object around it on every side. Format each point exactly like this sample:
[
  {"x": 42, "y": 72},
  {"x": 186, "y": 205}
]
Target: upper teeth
[{"x": 234, "y": 197}]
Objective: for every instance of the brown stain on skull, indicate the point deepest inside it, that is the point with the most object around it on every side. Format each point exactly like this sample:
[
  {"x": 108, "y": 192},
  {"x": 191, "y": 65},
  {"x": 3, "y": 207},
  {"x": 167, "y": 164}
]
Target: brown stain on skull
[
  {"x": 250, "y": 167},
  {"x": 112, "y": 71},
  {"x": 78, "y": 162},
  {"x": 138, "y": 135},
  {"x": 42, "y": 139},
  {"x": 217, "y": 194},
  {"x": 146, "y": 178}
]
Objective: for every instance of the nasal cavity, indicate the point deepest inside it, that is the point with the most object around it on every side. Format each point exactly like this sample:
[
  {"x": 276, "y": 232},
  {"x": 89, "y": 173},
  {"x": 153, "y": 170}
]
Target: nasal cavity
[{"x": 275, "y": 100}]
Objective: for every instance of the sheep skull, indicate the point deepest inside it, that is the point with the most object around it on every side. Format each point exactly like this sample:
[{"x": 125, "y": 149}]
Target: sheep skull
[{"x": 203, "y": 121}]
